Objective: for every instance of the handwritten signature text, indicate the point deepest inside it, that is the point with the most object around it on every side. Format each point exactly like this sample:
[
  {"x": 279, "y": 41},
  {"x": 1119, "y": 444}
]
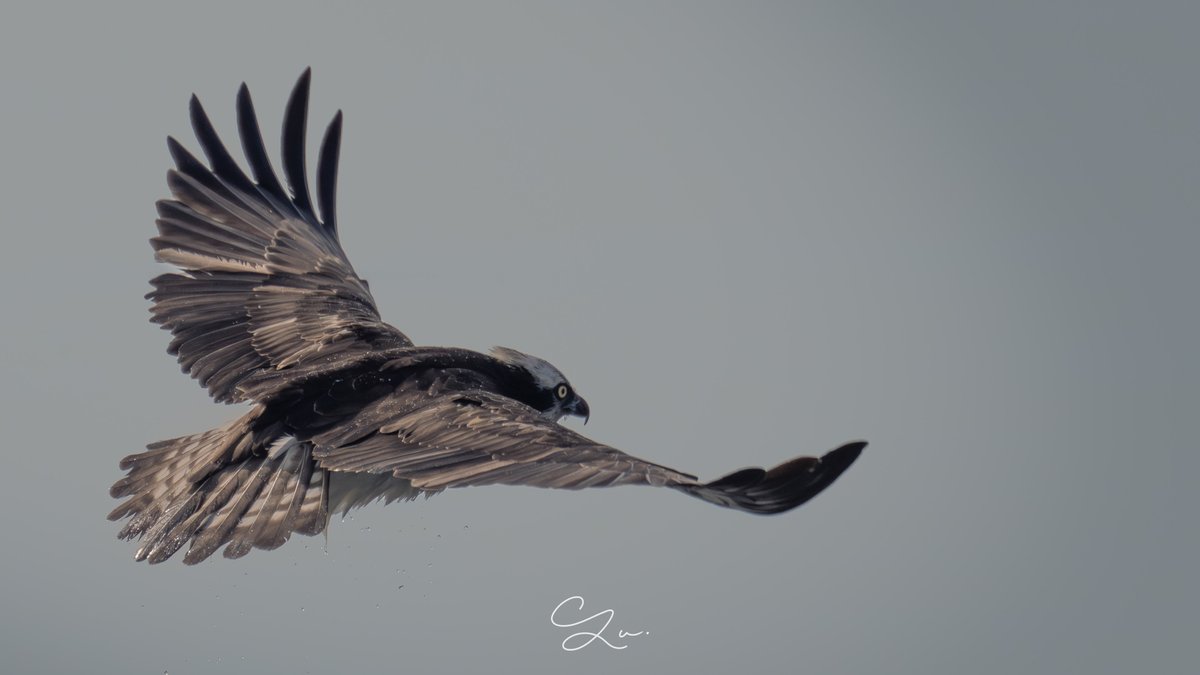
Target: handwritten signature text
[{"x": 576, "y": 641}]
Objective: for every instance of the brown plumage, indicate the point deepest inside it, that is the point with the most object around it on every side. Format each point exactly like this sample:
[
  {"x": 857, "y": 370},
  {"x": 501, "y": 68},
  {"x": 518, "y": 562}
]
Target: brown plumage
[{"x": 267, "y": 309}]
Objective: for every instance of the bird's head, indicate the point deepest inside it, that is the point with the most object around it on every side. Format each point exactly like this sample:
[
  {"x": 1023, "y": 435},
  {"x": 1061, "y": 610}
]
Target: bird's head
[{"x": 542, "y": 386}]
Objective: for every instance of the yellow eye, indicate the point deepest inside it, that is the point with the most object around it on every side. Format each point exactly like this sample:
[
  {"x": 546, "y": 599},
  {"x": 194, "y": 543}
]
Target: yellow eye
[{"x": 562, "y": 391}]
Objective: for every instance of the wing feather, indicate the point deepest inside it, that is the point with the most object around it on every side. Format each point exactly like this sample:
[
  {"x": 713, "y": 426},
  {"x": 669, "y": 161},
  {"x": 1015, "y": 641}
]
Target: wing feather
[
  {"x": 327, "y": 163},
  {"x": 256, "y": 155},
  {"x": 480, "y": 438},
  {"x": 265, "y": 286},
  {"x": 295, "y": 122},
  {"x": 223, "y": 164},
  {"x": 466, "y": 438}
]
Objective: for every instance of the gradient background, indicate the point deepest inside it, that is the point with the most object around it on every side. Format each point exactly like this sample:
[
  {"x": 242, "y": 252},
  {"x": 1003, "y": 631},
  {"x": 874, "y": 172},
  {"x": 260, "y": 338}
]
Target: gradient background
[{"x": 968, "y": 235}]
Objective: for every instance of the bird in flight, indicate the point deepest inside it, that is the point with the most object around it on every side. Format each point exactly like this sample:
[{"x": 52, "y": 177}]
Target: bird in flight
[{"x": 344, "y": 409}]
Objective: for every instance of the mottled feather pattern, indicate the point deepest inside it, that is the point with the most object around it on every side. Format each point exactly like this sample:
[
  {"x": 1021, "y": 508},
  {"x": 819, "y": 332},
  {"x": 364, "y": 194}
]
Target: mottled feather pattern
[
  {"x": 275, "y": 285},
  {"x": 266, "y": 308},
  {"x": 477, "y": 437},
  {"x": 264, "y": 285},
  {"x": 220, "y": 487}
]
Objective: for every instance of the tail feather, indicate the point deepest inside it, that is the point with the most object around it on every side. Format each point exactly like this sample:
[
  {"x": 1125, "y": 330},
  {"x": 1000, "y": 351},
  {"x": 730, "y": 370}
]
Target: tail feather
[
  {"x": 297, "y": 502},
  {"x": 161, "y": 477},
  {"x": 229, "y": 485},
  {"x": 231, "y": 510},
  {"x": 221, "y": 492},
  {"x": 285, "y": 495}
]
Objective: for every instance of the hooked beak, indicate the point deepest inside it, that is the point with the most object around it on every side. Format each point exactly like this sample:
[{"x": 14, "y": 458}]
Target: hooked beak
[{"x": 579, "y": 408}]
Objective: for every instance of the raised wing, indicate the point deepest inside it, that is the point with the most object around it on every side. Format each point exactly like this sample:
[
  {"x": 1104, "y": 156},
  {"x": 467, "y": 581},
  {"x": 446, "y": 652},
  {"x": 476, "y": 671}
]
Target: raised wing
[
  {"x": 481, "y": 438},
  {"x": 266, "y": 285}
]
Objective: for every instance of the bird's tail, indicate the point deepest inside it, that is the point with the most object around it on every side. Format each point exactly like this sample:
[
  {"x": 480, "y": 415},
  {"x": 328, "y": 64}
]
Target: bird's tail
[{"x": 234, "y": 484}]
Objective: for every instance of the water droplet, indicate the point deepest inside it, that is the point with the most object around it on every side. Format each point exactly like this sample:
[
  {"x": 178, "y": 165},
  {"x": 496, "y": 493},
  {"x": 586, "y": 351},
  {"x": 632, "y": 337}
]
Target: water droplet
[{"x": 400, "y": 586}]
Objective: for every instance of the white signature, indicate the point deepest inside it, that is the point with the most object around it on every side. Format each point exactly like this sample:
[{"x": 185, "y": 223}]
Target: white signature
[{"x": 576, "y": 641}]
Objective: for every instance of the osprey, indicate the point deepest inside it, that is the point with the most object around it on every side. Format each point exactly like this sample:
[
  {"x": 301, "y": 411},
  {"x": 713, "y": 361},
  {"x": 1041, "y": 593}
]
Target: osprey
[{"x": 345, "y": 409}]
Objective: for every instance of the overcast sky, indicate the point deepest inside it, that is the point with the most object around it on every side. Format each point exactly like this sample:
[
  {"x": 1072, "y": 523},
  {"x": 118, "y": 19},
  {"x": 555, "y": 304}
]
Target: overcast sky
[{"x": 745, "y": 232}]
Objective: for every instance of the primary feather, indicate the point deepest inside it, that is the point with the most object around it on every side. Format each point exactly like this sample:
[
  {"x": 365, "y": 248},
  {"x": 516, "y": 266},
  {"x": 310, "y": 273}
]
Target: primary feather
[{"x": 266, "y": 308}]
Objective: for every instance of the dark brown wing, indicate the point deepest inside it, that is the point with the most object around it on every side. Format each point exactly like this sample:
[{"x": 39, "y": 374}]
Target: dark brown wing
[
  {"x": 265, "y": 284},
  {"x": 482, "y": 438}
]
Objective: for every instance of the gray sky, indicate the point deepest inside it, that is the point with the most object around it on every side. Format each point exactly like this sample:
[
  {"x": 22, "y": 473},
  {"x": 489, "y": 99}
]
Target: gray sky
[{"x": 745, "y": 233}]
